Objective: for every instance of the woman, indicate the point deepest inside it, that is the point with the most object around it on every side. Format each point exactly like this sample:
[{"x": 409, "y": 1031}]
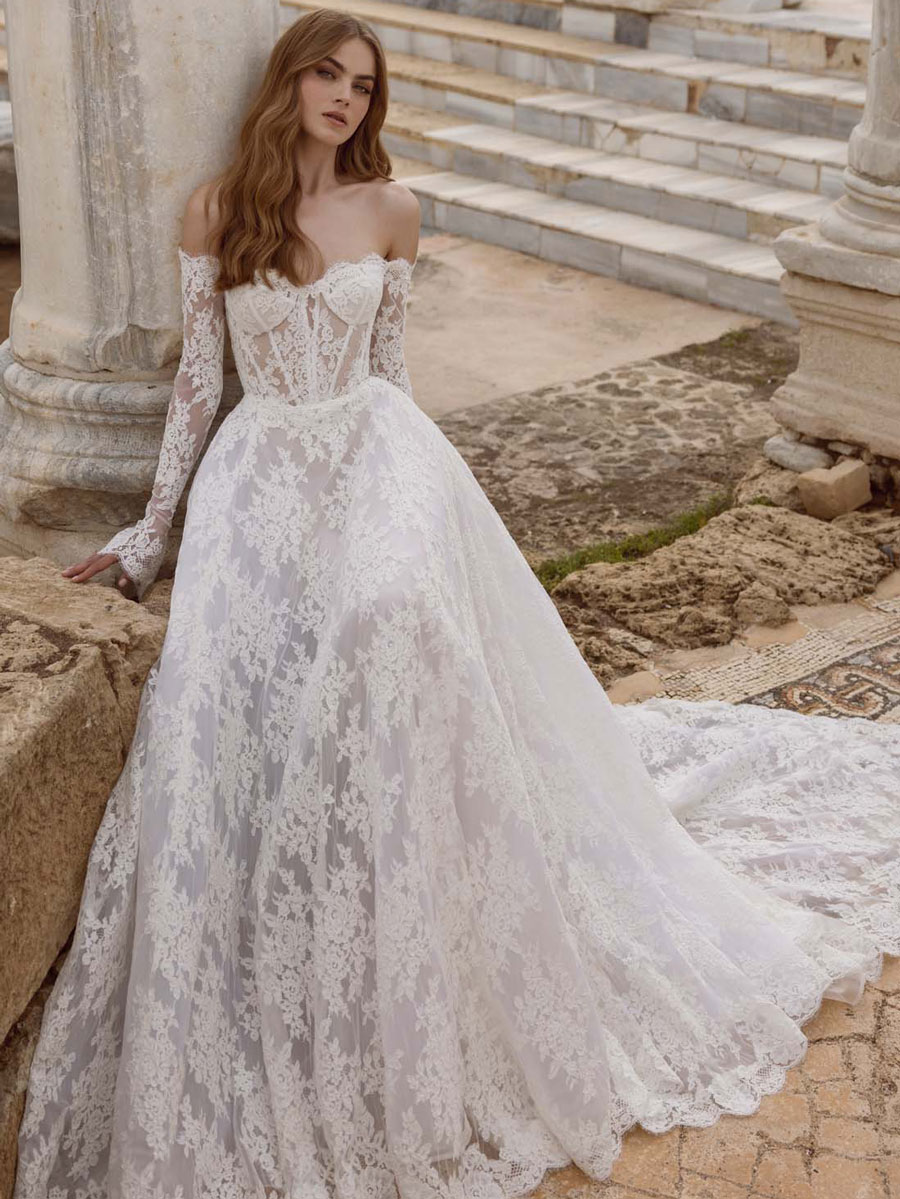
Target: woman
[{"x": 385, "y": 903}]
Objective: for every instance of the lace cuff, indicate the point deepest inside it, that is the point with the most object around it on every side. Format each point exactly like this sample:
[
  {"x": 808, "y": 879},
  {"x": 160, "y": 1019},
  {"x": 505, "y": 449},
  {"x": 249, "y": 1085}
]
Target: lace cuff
[
  {"x": 196, "y": 394},
  {"x": 386, "y": 356}
]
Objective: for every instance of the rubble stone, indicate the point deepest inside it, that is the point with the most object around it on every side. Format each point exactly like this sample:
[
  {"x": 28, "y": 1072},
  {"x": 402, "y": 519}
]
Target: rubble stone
[
  {"x": 766, "y": 481},
  {"x": 842, "y": 488},
  {"x": 796, "y": 455}
]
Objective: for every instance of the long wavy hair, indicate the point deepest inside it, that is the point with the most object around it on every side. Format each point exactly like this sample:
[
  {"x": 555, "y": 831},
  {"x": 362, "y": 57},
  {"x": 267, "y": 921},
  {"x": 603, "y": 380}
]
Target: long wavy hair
[{"x": 258, "y": 193}]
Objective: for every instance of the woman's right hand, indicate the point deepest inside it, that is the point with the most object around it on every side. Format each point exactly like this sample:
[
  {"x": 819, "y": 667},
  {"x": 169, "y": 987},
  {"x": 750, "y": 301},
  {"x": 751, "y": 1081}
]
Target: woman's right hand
[{"x": 80, "y": 572}]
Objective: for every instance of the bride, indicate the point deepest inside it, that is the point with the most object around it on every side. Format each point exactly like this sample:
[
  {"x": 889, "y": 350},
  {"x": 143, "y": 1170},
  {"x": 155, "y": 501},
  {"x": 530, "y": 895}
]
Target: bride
[{"x": 388, "y": 901}]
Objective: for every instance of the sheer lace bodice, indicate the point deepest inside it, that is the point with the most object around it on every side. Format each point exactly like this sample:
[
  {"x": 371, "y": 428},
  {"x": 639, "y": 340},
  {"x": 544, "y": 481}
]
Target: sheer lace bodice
[
  {"x": 295, "y": 344},
  {"x": 311, "y": 342}
]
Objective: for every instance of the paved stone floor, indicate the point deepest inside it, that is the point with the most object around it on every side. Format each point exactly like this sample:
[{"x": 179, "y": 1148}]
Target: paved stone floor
[
  {"x": 623, "y": 450},
  {"x": 832, "y": 1133},
  {"x": 599, "y": 454}
]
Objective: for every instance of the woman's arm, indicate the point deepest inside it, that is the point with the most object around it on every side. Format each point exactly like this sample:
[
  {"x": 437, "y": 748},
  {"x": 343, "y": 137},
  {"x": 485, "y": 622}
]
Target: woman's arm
[
  {"x": 402, "y": 215},
  {"x": 196, "y": 394}
]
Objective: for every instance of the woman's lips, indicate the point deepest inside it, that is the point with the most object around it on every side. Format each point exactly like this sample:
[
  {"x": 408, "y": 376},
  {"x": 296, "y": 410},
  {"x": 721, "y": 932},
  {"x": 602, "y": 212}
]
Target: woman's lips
[{"x": 336, "y": 120}]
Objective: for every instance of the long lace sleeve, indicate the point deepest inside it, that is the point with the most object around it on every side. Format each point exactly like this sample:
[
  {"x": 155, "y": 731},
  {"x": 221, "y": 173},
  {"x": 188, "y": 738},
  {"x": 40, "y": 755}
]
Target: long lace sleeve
[
  {"x": 386, "y": 356},
  {"x": 196, "y": 394}
]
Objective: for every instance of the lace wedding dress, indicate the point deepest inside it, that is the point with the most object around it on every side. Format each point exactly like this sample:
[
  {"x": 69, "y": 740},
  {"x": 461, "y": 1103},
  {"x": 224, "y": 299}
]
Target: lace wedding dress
[{"x": 388, "y": 901}]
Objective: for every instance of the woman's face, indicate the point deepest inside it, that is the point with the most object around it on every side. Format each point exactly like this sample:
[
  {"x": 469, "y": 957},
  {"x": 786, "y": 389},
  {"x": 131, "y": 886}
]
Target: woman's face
[{"x": 340, "y": 83}]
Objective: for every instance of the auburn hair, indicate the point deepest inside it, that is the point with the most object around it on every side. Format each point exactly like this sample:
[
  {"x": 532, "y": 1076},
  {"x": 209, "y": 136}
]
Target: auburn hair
[{"x": 258, "y": 192}]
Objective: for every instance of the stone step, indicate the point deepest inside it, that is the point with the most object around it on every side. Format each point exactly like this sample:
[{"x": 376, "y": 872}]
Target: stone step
[
  {"x": 742, "y": 151},
  {"x": 707, "y": 267},
  {"x": 790, "y": 101},
  {"x": 789, "y": 39},
  {"x": 677, "y": 195},
  {"x": 533, "y": 14}
]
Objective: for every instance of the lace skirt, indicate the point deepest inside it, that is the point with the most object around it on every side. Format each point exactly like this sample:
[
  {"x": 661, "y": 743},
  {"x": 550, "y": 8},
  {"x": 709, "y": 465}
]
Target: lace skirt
[{"x": 388, "y": 901}]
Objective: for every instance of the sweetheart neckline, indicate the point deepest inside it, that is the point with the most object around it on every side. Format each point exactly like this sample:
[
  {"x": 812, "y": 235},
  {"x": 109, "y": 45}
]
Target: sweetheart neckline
[{"x": 325, "y": 273}]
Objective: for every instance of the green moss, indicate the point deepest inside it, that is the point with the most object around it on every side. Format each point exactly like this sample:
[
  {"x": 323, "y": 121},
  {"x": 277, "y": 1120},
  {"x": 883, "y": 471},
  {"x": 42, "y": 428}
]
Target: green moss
[{"x": 554, "y": 570}]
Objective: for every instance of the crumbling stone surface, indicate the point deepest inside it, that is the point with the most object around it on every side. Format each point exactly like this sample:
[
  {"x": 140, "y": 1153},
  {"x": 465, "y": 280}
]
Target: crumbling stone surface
[
  {"x": 612, "y": 651},
  {"x": 16, "y": 1054},
  {"x": 751, "y": 561},
  {"x": 74, "y": 660},
  {"x": 764, "y": 480},
  {"x": 760, "y": 604},
  {"x": 879, "y": 526}
]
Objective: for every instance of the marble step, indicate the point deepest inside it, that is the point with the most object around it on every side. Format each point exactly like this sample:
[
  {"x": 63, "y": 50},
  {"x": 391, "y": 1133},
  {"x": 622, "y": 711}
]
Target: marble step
[
  {"x": 533, "y": 14},
  {"x": 707, "y": 267},
  {"x": 676, "y": 195},
  {"x": 791, "y": 101},
  {"x": 790, "y": 39},
  {"x": 742, "y": 151}
]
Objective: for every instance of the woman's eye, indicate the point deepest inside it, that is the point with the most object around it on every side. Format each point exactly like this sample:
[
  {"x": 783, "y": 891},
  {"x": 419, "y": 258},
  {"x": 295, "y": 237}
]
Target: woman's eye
[{"x": 330, "y": 74}]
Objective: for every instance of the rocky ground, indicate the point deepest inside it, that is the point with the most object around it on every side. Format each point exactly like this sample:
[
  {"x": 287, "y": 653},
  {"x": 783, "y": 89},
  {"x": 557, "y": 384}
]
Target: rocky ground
[{"x": 747, "y": 566}]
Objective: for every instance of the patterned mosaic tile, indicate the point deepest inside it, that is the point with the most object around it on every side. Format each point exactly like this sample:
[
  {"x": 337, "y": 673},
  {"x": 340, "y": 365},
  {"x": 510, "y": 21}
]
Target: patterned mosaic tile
[{"x": 865, "y": 684}]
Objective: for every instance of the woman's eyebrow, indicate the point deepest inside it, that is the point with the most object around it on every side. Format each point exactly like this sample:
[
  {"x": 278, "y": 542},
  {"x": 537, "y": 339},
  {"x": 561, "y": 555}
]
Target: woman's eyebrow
[{"x": 341, "y": 67}]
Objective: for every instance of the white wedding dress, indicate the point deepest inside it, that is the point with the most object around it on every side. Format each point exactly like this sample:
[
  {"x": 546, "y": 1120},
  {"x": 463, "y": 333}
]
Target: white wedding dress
[{"x": 389, "y": 901}]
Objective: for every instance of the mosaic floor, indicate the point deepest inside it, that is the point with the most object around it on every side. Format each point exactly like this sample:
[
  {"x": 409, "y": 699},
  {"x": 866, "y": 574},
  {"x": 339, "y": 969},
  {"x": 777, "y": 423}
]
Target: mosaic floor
[
  {"x": 866, "y": 684},
  {"x": 850, "y": 669}
]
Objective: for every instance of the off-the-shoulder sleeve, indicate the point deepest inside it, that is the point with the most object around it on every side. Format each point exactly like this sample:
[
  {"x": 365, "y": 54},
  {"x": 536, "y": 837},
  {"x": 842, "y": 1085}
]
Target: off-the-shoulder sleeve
[
  {"x": 386, "y": 350},
  {"x": 196, "y": 394}
]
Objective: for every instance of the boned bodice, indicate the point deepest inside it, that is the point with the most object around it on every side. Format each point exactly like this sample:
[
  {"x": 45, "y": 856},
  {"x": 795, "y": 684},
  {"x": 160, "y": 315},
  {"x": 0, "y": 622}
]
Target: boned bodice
[{"x": 306, "y": 342}]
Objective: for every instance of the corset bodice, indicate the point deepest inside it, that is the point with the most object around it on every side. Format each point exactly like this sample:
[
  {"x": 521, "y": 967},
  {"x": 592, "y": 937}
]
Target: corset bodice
[
  {"x": 308, "y": 341},
  {"x": 294, "y": 344}
]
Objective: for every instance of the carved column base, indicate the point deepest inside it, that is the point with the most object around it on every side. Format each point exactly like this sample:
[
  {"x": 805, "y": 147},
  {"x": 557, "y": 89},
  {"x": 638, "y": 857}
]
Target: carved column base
[
  {"x": 79, "y": 458},
  {"x": 845, "y": 388}
]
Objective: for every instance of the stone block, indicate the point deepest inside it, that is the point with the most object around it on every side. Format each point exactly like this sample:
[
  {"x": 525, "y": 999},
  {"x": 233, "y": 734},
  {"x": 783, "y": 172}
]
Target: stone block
[
  {"x": 588, "y": 22},
  {"x": 76, "y": 657},
  {"x": 842, "y": 488}
]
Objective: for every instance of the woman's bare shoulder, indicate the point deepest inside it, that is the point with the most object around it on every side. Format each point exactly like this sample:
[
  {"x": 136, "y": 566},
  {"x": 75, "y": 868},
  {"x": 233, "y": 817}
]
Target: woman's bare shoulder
[
  {"x": 201, "y": 215},
  {"x": 402, "y": 217}
]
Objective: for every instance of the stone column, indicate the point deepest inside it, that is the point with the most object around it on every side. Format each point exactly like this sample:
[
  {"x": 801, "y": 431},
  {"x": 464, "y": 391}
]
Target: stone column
[
  {"x": 120, "y": 109},
  {"x": 843, "y": 279}
]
